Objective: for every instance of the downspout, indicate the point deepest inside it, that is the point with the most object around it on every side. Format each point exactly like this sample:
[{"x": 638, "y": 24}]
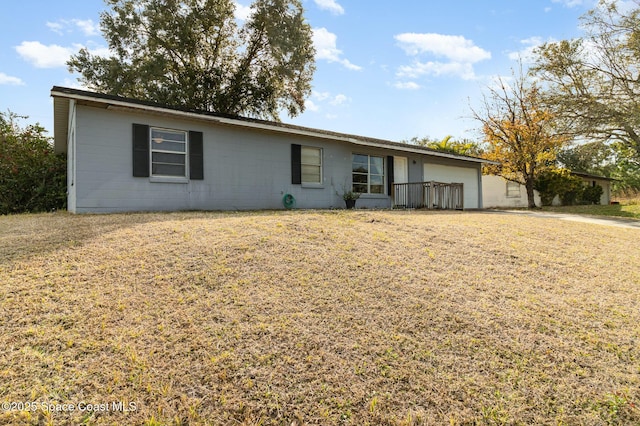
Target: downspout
[
  {"x": 480, "y": 201},
  {"x": 71, "y": 157}
]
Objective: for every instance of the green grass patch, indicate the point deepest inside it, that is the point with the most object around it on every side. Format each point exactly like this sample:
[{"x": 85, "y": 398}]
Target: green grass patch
[{"x": 628, "y": 208}]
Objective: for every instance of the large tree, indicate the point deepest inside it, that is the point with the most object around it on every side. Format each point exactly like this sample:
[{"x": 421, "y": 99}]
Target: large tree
[
  {"x": 591, "y": 157},
  {"x": 519, "y": 132},
  {"x": 193, "y": 54},
  {"x": 593, "y": 82}
]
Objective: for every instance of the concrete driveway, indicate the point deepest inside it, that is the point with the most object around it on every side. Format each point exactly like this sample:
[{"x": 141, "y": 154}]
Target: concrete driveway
[{"x": 620, "y": 222}]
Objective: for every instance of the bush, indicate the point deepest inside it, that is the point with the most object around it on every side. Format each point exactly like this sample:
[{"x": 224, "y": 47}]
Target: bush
[
  {"x": 591, "y": 195},
  {"x": 32, "y": 176},
  {"x": 571, "y": 190},
  {"x": 562, "y": 183},
  {"x": 547, "y": 185}
]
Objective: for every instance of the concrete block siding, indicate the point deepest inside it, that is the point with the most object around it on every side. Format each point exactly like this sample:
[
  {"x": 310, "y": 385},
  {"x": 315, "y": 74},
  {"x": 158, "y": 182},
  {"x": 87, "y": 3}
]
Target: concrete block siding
[{"x": 247, "y": 164}]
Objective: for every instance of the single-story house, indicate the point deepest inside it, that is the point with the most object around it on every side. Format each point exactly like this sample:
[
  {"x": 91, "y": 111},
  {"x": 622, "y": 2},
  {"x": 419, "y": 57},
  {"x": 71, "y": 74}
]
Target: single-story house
[
  {"x": 498, "y": 192},
  {"x": 131, "y": 155},
  {"x": 593, "y": 180}
]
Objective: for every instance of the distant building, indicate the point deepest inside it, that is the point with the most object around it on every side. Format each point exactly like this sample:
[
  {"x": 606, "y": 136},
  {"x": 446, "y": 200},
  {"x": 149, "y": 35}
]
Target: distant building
[{"x": 497, "y": 192}]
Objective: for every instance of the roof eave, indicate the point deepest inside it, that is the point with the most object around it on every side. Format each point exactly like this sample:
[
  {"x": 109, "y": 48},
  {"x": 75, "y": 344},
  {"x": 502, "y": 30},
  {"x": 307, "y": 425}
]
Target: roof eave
[{"x": 124, "y": 104}]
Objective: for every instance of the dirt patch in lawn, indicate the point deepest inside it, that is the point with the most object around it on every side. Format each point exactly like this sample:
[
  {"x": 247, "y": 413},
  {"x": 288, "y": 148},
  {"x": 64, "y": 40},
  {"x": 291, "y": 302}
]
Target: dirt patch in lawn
[{"x": 318, "y": 317}]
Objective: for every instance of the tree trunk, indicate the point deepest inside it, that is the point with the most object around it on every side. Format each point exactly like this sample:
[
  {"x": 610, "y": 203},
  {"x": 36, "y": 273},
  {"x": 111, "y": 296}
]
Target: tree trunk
[{"x": 531, "y": 199}]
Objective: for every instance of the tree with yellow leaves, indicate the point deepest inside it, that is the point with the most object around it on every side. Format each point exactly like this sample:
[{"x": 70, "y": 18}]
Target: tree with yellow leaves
[{"x": 519, "y": 132}]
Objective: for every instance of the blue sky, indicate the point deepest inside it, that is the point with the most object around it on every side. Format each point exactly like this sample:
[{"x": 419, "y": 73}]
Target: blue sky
[{"x": 391, "y": 70}]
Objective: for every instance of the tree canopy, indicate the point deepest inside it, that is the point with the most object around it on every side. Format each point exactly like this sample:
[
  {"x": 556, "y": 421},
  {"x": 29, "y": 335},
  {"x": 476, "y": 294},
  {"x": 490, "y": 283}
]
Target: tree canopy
[
  {"x": 519, "y": 132},
  {"x": 194, "y": 54},
  {"x": 592, "y": 157},
  {"x": 449, "y": 144},
  {"x": 594, "y": 82}
]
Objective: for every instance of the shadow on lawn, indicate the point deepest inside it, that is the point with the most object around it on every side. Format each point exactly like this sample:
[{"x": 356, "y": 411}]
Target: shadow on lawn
[{"x": 24, "y": 236}]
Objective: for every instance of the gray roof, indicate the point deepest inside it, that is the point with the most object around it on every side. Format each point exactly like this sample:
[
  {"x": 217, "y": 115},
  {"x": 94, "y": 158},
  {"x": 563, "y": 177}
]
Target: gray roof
[
  {"x": 591, "y": 176},
  {"x": 61, "y": 96}
]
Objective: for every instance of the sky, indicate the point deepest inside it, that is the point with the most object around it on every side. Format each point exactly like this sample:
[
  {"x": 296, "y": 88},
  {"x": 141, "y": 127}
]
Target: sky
[{"x": 384, "y": 69}]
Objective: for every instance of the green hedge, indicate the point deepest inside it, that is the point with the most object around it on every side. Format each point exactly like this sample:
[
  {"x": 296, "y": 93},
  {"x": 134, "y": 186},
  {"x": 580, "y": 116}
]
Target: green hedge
[
  {"x": 569, "y": 188},
  {"x": 32, "y": 176}
]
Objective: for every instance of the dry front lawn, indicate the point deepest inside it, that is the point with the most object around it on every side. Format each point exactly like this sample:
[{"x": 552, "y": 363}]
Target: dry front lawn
[{"x": 284, "y": 318}]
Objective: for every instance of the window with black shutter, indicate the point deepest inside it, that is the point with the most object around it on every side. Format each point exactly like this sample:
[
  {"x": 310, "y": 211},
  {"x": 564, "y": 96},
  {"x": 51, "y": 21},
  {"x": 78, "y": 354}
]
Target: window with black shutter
[{"x": 167, "y": 153}]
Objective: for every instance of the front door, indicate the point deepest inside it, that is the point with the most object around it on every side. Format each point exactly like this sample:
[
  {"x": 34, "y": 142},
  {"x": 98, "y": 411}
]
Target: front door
[
  {"x": 400, "y": 175},
  {"x": 400, "y": 170}
]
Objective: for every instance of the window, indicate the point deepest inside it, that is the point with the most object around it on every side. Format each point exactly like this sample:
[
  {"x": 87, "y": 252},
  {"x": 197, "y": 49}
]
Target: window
[
  {"x": 513, "y": 189},
  {"x": 162, "y": 154},
  {"x": 168, "y": 153},
  {"x": 368, "y": 174},
  {"x": 311, "y": 164}
]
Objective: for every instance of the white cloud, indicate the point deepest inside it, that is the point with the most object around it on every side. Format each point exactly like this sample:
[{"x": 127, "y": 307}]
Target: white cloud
[
  {"x": 325, "y": 100},
  {"x": 95, "y": 50},
  {"x": 41, "y": 56},
  {"x": 74, "y": 84},
  {"x": 311, "y": 106},
  {"x": 87, "y": 26},
  {"x": 339, "y": 100},
  {"x": 460, "y": 53},
  {"x": 623, "y": 6},
  {"x": 321, "y": 96},
  {"x": 407, "y": 85},
  {"x": 437, "y": 69},
  {"x": 9, "y": 80},
  {"x": 325, "y": 44},
  {"x": 242, "y": 13},
  {"x": 56, "y": 27},
  {"x": 52, "y": 56},
  {"x": 330, "y": 5},
  {"x": 455, "y": 48},
  {"x": 570, "y": 3},
  {"x": 526, "y": 54}
]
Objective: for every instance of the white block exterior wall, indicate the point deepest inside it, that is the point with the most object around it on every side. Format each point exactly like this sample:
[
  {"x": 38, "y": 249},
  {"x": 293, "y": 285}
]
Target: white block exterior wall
[
  {"x": 605, "y": 198},
  {"x": 494, "y": 194},
  {"x": 244, "y": 169}
]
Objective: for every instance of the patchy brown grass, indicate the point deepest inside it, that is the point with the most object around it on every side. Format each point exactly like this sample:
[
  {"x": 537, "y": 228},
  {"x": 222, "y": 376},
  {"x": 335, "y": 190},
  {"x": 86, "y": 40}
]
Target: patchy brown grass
[{"x": 395, "y": 318}]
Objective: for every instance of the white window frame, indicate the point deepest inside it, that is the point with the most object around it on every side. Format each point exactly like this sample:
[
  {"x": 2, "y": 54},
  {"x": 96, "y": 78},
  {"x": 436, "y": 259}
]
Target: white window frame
[
  {"x": 369, "y": 174},
  {"x": 302, "y": 164},
  {"x": 510, "y": 194},
  {"x": 152, "y": 150}
]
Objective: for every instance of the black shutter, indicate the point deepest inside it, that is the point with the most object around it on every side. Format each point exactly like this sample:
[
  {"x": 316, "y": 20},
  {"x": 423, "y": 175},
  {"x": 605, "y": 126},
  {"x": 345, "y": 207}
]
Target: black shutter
[
  {"x": 390, "y": 176},
  {"x": 196, "y": 162},
  {"x": 296, "y": 164},
  {"x": 140, "y": 150}
]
